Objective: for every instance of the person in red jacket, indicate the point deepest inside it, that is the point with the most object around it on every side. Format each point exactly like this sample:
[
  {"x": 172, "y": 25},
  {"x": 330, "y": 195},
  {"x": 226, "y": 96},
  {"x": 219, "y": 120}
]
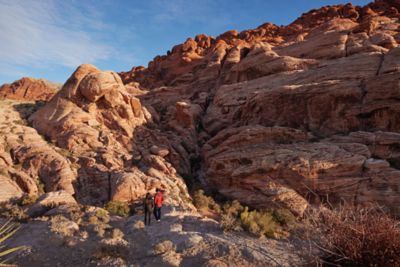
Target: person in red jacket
[{"x": 158, "y": 202}]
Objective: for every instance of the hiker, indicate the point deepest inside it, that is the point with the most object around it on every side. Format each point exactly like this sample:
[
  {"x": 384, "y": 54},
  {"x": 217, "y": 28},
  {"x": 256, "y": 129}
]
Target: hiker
[
  {"x": 148, "y": 204},
  {"x": 158, "y": 202}
]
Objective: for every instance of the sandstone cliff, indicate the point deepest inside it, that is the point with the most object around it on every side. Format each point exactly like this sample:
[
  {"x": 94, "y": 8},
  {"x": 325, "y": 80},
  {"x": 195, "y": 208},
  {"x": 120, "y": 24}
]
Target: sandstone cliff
[
  {"x": 274, "y": 116},
  {"x": 286, "y": 115}
]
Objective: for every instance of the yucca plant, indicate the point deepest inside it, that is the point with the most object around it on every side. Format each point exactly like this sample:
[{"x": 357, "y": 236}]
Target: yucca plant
[{"x": 6, "y": 231}]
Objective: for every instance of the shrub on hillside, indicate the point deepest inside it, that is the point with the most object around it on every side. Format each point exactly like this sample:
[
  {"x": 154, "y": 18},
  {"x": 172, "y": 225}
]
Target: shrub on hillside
[
  {"x": 62, "y": 226},
  {"x": 201, "y": 201},
  {"x": 259, "y": 223},
  {"x": 164, "y": 247},
  {"x": 12, "y": 210},
  {"x": 356, "y": 237},
  {"x": 284, "y": 217},
  {"x": 28, "y": 200},
  {"x": 230, "y": 217},
  {"x": 118, "y": 208}
]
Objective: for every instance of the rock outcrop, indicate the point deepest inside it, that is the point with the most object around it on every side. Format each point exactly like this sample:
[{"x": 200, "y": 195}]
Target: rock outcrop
[
  {"x": 104, "y": 130},
  {"x": 287, "y": 115},
  {"x": 27, "y": 161},
  {"x": 277, "y": 116},
  {"x": 28, "y": 89},
  {"x": 49, "y": 201}
]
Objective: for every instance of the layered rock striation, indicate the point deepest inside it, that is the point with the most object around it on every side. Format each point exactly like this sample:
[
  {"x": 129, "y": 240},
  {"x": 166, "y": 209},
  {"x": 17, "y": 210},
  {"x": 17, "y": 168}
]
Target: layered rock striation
[
  {"x": 277, "y": 116},
  {"x": 288, "y": 115}
]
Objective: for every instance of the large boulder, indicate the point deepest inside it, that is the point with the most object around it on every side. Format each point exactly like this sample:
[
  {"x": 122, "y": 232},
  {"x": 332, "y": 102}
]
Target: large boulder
[{"x": 49, "y": 201}]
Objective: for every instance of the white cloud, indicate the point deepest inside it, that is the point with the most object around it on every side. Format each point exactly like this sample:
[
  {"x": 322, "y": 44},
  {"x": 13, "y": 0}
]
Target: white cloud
[{"x": 42, "y": 34}]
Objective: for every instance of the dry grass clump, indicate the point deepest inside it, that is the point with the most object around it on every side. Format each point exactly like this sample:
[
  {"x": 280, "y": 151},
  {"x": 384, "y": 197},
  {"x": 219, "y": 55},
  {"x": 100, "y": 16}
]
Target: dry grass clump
[
  {"x": 110, "y": 254},
  {"x": 164, "y": 247},
  {"x": 99, "y": 216},
  {"x": 99, "y": 221},
  {"x": 62, "y": 226},
  {"x": 117, "y": 234},
  {"x": 118, "y": 208},
  {"x": 138, "y": 225},
  {"x": 100, "y": 229},
  {"x": 14, "y": 211},
  {"x": 355, "y": 237},
  {"x": 28, "y": 200}
]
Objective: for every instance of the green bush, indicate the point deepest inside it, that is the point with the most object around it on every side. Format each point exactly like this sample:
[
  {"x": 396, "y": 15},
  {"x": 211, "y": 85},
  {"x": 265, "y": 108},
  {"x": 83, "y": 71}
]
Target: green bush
[
  {"x": 259, "y": 223},
  {"x": 102, "y": 214},
  {"x": 283, "y": 216},
  {"x": 118, "y": 208}
]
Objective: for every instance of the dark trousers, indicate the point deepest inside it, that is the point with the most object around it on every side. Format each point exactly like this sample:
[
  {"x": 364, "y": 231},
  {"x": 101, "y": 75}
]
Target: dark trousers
[
  {"x": 157, "y": 213},
  {"x": 147, "y": 217}
]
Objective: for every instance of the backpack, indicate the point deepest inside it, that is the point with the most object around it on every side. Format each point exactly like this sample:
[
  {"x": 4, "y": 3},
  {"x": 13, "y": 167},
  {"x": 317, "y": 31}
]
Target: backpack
[{"x": 148, "y": 203}]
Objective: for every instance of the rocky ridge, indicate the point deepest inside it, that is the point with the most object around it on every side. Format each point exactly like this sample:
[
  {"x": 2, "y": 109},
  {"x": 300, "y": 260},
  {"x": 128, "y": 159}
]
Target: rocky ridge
[
  {"x": 29, "y": 89},
  {"x": 286, "y": 115},
  {"x": 275, "y": 116}
]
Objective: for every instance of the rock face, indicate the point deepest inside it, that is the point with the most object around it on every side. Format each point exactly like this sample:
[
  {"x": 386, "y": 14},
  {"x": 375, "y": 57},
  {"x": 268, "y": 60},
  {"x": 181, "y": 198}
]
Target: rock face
[
  {"x": 288, "y": 115},
  {"x": 28, "y": 89},
  {"x": 27, "y": 161},
  {"x": 277, "y": 116},
  {"x": 104, "y": 130}
]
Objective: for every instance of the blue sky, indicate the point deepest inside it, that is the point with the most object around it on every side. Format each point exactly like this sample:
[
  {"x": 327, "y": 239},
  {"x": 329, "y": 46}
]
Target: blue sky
[{"x": 49, "y": 38}]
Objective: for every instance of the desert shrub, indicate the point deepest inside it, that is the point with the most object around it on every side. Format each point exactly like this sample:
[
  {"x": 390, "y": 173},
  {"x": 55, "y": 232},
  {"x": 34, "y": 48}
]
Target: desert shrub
[
  {"x": 230, "y": 217},
  {"x": 63, "y": 226},
  {"x": 28, "y": 200},
  {"x": 75, "y": 214},
  {"x": 259, "y": 223},
  {"x": 107, "y": 251},
  {"x": 164, "y": 247},
  {"x": 100, "y": 229},
  {"x": 41, "y": 187},
  {"x": 138, "y": 225},
  {"x": 14, "y": 211},
  {"x": 94, "y": 220},
  {"x": 118, "y": 208},
  {"x": 117, "y": 234},
  {"x": 235, "y": 217},
  {"x": 98, "y": 226},
  {"x": 201, "y": 201},
  {"x": 356, "y": 237},
  {"x": 102, "y": 215},
  {"x": 283, "y": 216}
]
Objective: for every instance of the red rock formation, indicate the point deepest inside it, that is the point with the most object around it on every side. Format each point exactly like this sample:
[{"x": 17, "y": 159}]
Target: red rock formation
[
  {"x": 332, "y": 72},
  {"x": 103, "y": 127},
  {"x": 28, "y": 89},
  {"x": 273, "y": 116}
]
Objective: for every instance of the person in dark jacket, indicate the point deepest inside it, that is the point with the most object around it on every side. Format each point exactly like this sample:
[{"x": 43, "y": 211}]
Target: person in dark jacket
[
  {"x": 148, "y": 204},
  {"x": 158, "y": 202}
]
